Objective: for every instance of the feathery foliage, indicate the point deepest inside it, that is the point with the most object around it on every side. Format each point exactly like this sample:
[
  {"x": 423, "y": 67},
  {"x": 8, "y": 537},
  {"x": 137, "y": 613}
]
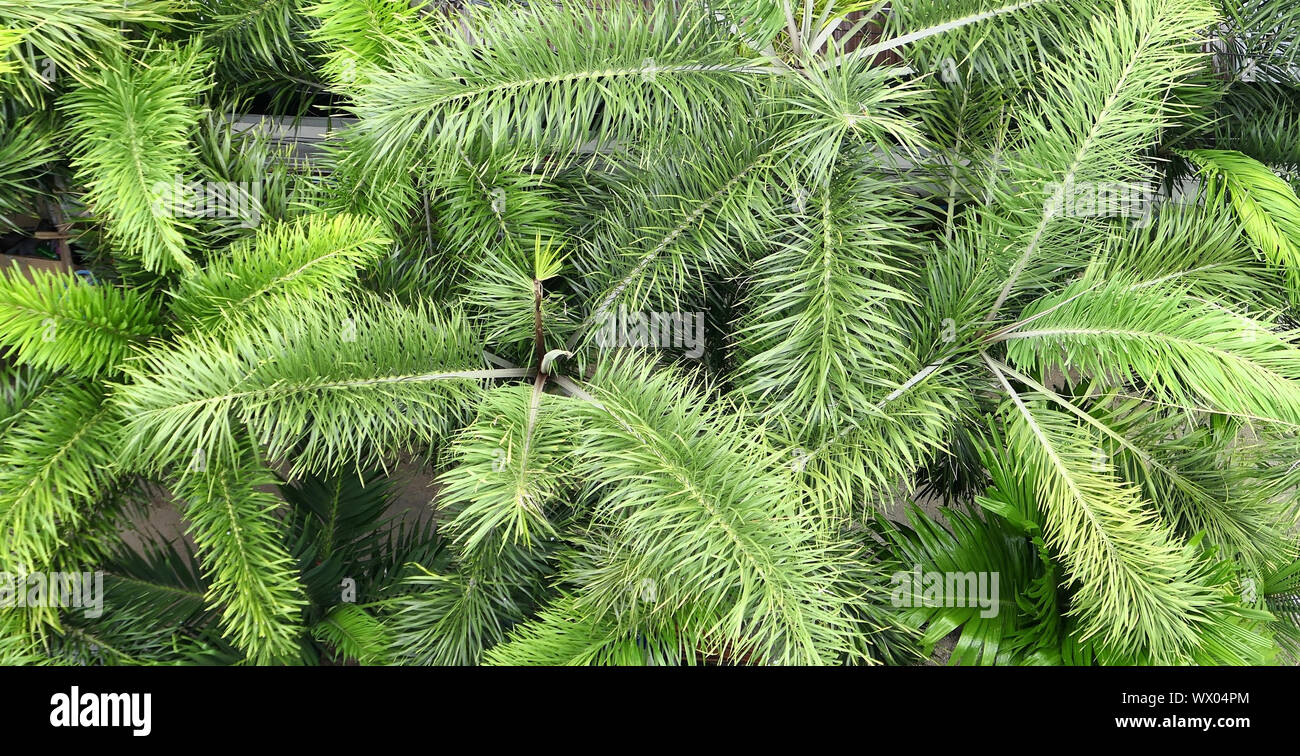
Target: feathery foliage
[
  {"x": 57, "y": 322},
  {"x": 680, "y": 309},
  {"x": 250, "y": 572},
  {"x": 301, "y": 261},
  {"x": 1266, "y": 205},
  {"x": 130, "y": 124}
]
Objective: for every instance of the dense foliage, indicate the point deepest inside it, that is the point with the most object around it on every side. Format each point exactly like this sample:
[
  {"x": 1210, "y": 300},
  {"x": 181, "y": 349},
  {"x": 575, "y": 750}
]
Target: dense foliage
[{"x": 680, "y": 303}]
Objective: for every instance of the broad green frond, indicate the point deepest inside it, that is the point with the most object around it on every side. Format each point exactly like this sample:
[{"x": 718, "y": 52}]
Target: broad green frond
[
  {"x": 980, "y": 549},
  {"x": 1279, "y": 592},
  {"x": 147, "y": 598},
  {"x": 1045, "y": 634},
  {"x": 162, "y": 580}
]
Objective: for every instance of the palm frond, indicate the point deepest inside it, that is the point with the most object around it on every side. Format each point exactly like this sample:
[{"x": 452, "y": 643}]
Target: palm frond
[
  {"x": 76, "y": 36},
  {"x": 452, "y": 618},
  {"x": 972, "y": 547},
  {"x": 820, "y": 344},
  {"x": 1200, "y": 245},
  {"x": 1267, "y": 206},
  {"x": 510, "y": 466},
  {"x": 1103, "y": 101},
  {"x": 562, "y": 636},
  {"x": 338, "y": 513},
  {"x": 973, "y": 42},
  {"x": 355, "y": 633},
  {"x": 25, "y": 146},
  {"x": 558, "y": 76},
  {"x": 687, "y": 501},
  {"x": 1184, "y": 350},
  {"x": 359, "y": 35},
  {"x": 1138, "y": 590}
]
